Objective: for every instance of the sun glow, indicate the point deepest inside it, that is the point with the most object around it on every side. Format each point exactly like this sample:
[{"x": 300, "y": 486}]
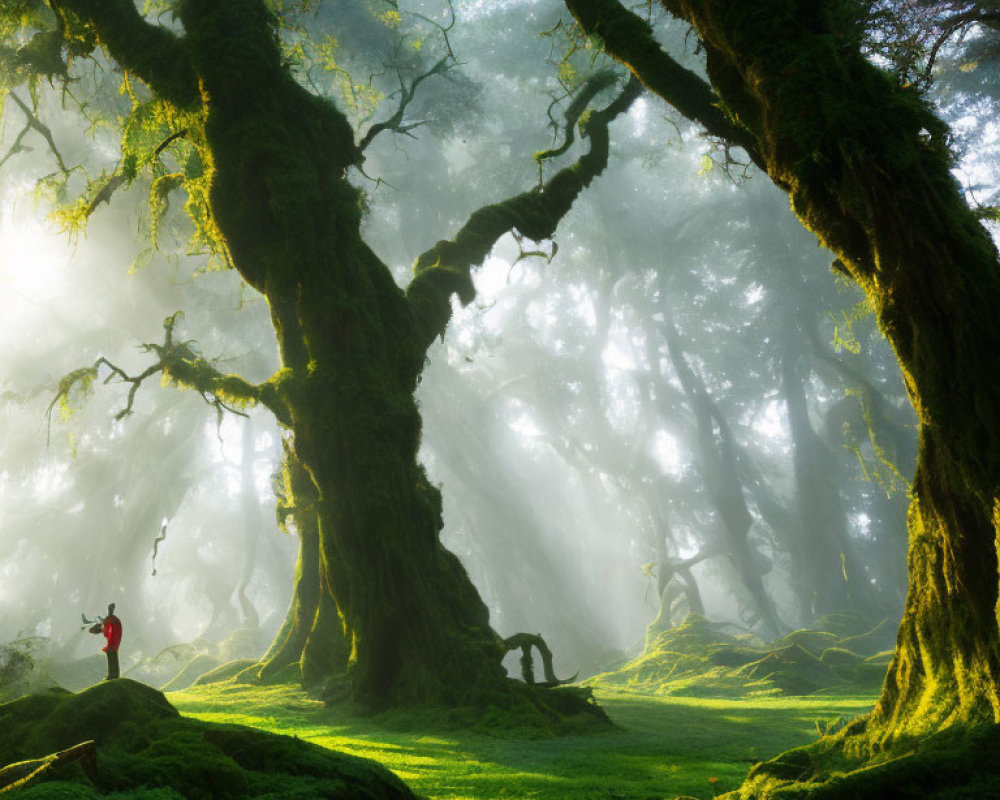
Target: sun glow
[{"x": 33, "y": 259}]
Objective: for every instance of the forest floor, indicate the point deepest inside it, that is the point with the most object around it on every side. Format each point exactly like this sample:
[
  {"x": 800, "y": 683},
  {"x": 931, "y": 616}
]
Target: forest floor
[{"x": 661, "y": 747}]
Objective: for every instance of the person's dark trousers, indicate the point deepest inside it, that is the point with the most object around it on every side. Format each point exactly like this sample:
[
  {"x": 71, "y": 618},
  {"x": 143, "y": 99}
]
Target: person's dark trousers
[{"x": 112, "y": 665}]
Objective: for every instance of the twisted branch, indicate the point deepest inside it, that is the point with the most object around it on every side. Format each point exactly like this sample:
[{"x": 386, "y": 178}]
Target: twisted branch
[
  {"x": 525, "y": 641},
  {"x": 179, "y": 362},
  {"x": 406, "y": 95},
  {"x": 628, "y": 38},
  {"x": 590, "y": 89},
  {"x": 446, "y": 268}
]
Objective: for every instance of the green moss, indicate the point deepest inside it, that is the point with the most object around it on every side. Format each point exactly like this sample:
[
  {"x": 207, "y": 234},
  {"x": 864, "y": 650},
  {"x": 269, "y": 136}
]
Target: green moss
[
  {"x": 224, "y": 671},
  {"x": 64, "y": 790},
  {"x": 962, "y": 762},
  {"x": 658, "y": 747},
  {"x": 702, "y": 659},
  {"x": 143, "y": 744}
]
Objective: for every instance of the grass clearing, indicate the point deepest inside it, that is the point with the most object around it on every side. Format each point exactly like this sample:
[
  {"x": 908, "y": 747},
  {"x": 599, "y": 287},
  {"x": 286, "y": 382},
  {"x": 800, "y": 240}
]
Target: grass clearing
[{"x": 664, "y": 746}]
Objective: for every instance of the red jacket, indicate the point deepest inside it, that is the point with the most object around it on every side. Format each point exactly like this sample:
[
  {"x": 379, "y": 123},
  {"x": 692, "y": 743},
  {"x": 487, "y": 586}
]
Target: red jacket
[{"x": 112, "y": 631}]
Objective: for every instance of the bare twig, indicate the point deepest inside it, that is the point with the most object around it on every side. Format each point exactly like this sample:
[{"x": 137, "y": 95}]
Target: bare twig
[
  {"x": 16, "y": 146},
  {"x": 406, "y": 95},
  {"x": 43, "y": 129},
  {"x": 179, "y": 362}
]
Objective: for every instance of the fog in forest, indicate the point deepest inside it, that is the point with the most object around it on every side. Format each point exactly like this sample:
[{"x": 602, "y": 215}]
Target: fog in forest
[{"x": 674, "y": 406}]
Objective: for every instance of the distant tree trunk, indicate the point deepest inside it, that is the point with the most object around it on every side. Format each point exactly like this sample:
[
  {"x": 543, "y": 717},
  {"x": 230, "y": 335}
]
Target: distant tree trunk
[
  {"x": 827, "y": 566},
  {"x": 720, "y": 472},
  {"x": 253, "y": 525},
  {"x": 865, "y": 412},
  {"x": 669, "y": 568},
  {"x": 867, "y": 167}
]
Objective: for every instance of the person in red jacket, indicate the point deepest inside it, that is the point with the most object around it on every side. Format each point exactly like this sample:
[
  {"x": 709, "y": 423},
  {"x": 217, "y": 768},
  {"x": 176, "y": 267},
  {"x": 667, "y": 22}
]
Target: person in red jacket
[{"x": 111, "y": 627}]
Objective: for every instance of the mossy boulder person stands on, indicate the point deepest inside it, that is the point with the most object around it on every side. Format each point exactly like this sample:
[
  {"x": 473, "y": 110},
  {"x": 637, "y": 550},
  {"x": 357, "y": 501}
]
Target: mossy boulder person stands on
[{"x": 145, "y": 748}]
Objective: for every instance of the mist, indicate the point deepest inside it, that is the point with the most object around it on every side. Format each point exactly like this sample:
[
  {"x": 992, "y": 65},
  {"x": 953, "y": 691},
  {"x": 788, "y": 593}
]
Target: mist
[{"x": 565, "y": 410}]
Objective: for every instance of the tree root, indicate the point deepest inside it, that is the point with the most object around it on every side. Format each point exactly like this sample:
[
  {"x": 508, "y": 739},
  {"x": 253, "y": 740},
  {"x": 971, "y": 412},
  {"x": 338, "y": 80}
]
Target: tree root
[{"x": 526, "y": 641}]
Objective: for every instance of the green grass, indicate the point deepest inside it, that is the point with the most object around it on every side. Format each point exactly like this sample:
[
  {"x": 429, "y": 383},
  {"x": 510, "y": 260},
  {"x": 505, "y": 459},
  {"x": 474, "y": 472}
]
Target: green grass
[{"x": 664, "y": 746}]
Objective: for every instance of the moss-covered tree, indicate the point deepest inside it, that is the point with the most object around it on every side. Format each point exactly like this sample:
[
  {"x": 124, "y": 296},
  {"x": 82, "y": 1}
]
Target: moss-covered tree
[
  {"x": 377, "y": 593},
  {"x": 866, "y": 165}
]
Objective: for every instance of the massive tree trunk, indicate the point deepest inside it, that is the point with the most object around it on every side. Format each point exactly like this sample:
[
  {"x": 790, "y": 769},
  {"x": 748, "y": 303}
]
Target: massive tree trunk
[
  {"x": 414, "y": 625},
  {"x": 867, "y": 167},
  {"x": 388, "y": 595}
]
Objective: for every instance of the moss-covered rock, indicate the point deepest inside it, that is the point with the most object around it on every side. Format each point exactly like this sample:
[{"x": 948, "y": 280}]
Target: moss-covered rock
[
  {"x": 225, "y": 671},
  {"x": 145, "y": 748},
  {"x": 703, "y": 659},
  {"x": 792, "y": 669}
]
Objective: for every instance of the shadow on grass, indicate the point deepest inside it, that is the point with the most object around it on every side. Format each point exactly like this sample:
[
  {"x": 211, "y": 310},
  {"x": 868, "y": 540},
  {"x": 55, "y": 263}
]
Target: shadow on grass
[{"x": 662, "y": 746}]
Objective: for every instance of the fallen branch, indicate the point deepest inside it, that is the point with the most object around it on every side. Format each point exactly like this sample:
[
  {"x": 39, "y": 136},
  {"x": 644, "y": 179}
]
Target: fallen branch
[{"x": 18, "y": 775}]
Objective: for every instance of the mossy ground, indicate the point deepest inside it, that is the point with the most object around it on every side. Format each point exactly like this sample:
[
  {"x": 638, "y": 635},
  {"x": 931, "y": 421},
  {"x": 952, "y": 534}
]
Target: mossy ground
[
  {"x": 145, "y": 750},
  {"x": 661, "y": 746},
  {"x": 704, "y": 659}
]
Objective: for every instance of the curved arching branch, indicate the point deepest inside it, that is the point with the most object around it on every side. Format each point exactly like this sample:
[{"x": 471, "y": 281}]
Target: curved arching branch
[
  {"x": 952, "y": 26},
  {"x": 628, "y": 39},
  {"x": 446, "y": 268},
  {"x": 574, "y": 111},
  {"x": 525, "y": 641}
]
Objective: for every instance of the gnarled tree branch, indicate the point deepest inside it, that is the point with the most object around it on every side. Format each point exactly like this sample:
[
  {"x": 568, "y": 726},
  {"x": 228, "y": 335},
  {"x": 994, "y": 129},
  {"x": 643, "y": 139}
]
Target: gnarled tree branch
[
  {"x": 34, "y": 123},
  {"x": 525, "y": 641},
  {"x": 149, "y": 51},
  {"x": 179, "y": 362},
  {"x": 406, "y": 95},
  {"x": 446, "y": 268},
  {"x": 628, "y": 38},
  {"x": 588, "y": 92}
]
